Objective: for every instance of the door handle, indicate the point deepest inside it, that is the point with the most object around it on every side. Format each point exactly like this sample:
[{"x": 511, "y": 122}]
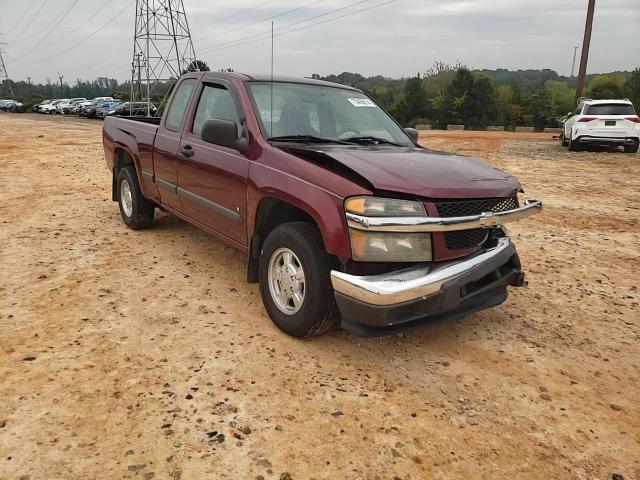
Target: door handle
[{"x": 187, "y": 150}]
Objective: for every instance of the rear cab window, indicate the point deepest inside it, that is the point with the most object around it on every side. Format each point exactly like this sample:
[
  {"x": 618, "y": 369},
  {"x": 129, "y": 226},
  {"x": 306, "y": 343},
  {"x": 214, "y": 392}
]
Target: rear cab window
[{"x": 179, "y": 105}]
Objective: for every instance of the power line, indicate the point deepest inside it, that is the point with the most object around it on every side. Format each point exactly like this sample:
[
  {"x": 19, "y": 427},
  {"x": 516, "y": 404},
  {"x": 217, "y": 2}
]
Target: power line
[
  {"x": 24, "y": 14},
  {"x": 237, "y": 14},
  {"x": 260, "y": 21},
  {"x": 55, "y": 25},
  {"x": 82, "y": 24},
  {"x": 268, "y": 32},
  {"x": 234, "y": 43},
  {"x": 313, "y": 24},
  {"x": 91, "y": 35},
  {"x": 30, "y": 21},
  {"x": 4, "y": 76}
]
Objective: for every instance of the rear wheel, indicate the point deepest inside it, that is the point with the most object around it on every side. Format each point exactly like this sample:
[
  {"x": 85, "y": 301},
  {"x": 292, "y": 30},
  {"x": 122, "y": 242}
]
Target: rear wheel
[
  {"x": 136, "y": 211},
  {"x": 574, "y": 146},
  {"x": 295, "y": 280},
  {"x": 563, "y": 138},
  {"x": 632, "y": 148}
]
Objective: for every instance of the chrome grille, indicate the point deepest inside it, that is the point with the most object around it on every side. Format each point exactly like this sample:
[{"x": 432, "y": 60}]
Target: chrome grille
[
  {"x": 464, "y": 208},
  {"x": 465, "y": 239}
]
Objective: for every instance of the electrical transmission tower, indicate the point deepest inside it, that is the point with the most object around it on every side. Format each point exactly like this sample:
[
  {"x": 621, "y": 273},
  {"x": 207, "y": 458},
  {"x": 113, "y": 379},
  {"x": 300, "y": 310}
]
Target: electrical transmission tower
[
  {"x": 4, "y": 76},
  {"x": 162, "y": 49}
]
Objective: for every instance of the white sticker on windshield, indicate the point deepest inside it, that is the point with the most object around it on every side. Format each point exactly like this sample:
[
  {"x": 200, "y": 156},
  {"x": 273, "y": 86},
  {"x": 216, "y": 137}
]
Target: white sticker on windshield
[{"x": 361, "y": 102}]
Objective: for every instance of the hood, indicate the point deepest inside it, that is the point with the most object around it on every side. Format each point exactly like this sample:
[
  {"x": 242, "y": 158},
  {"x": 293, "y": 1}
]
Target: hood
[{"x": 416, "y": 171}]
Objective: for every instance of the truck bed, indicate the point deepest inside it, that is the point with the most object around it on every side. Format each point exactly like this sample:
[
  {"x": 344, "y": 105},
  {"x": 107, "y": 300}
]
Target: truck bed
[{"x": 150, "y": 120}]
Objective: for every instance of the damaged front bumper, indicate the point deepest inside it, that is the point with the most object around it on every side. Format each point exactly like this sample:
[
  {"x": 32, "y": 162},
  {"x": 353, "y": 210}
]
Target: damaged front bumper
[{"x": 405, "y": 299}]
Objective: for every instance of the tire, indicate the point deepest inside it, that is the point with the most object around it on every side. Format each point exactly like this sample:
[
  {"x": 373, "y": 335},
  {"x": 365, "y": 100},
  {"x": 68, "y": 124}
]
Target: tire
[
  {"x": 136, "y": 211},
  {"x": 563, "y": 139},
  {"x": 574, "y": 146},
  {"x": 317, "y": 313},
  {"x": 632, "y": 148}
]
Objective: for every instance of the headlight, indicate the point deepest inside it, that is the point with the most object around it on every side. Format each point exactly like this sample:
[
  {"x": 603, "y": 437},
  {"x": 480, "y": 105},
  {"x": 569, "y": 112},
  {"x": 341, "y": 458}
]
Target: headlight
[
  {"x": 372, "y": 246},
  {"x": 390, "y": 247},
  {"x": 384, "y": 207}
]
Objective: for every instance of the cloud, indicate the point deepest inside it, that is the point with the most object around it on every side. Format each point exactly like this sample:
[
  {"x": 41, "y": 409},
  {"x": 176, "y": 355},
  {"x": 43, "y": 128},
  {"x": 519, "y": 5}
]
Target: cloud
[{"x": 398, "y": 39}]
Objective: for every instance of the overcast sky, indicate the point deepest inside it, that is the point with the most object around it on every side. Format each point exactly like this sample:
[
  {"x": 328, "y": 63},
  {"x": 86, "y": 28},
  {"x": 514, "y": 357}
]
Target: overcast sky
[{"x": 399, "y": 38}]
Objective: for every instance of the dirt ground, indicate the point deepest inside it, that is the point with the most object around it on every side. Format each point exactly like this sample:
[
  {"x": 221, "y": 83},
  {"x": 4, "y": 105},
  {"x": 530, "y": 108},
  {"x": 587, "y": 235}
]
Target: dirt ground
[{"x": 146, "y": 355}]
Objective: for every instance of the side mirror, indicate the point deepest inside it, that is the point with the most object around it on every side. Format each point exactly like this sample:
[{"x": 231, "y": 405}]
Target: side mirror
[
  {"x": 570, "y": 114},
  {"x": 220, "y": 132},
  {"x": 413, "y": 134}
]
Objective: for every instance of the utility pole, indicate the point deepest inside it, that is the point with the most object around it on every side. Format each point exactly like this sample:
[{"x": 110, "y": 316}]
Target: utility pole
[
  {"x": 162, "y": 49},
  {"x": 584, "y": 56},
  {"x": 4, "y": 76},
  {"x": 136, "y": 67},
  {"x": 573, "y": 64},
  {"x": 61, "y": 87},
  {"x": 29, "y": 80}
]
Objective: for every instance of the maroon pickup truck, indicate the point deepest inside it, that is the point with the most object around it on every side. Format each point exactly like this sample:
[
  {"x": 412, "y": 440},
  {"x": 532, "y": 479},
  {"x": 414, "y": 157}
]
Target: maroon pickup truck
[{"x": 343, "y": 217}]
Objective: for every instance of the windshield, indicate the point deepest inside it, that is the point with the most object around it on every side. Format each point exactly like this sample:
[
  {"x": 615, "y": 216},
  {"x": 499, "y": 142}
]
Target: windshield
[{"x": 325, "y": 112}]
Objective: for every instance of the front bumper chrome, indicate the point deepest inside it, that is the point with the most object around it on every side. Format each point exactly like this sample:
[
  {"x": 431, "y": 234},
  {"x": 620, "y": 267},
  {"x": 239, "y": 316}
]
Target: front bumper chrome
[
  {"x": 416, "y": 283},
  {"x": 442, "y": 224}
]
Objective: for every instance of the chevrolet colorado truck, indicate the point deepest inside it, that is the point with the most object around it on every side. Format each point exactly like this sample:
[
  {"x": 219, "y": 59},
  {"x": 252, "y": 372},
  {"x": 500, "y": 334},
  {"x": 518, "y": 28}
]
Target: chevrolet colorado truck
[{"x": 343, "y": 217}]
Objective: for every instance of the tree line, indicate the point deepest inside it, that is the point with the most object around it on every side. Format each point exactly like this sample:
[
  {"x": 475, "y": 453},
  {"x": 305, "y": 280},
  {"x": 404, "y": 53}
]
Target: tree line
[
  {"x": 455, "y": 94},
  {"x": 443, "y": 94}
]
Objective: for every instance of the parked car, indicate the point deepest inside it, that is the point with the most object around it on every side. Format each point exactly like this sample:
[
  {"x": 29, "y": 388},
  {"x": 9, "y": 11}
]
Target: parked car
[
  {"x": 103, "y": 108},
  {"x": 343, "y": 216},
  {"x": 85, "y": 108},
  {"x": 51, "y": 108},
  {"x": 91, "y": 105},
  {"x": 9, "y": 105},
  {"x": 137, "y": 109},
  {"x": 70, "y": 105},
  {"x": 608, "y": 123},
  {"x": 36, "y": 107}
]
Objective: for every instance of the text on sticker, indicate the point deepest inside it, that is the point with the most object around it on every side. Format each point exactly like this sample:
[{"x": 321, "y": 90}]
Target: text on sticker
[{"x": 361, "y": 102}]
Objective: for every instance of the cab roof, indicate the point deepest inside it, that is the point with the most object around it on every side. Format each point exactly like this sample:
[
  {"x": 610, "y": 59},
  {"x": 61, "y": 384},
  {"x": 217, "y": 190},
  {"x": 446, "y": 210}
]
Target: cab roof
[{"x": 246, "y": 77}]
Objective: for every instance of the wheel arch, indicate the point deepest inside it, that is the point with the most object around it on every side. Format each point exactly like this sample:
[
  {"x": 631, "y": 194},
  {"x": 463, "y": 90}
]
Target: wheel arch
[
  {"x": 271, "y": 212},
  {"x": 121, "y": 157}
]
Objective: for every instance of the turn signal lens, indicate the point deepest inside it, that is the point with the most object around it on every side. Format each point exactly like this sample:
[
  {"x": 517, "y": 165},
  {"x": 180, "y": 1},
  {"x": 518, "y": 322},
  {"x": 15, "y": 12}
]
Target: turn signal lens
[{"x": 384, "y": 207}]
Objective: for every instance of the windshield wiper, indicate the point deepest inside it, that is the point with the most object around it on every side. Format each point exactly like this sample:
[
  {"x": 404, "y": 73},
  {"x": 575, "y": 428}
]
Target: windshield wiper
[
  {"x": 306, "y": 139},
  {"x": 373, "y": 140}
]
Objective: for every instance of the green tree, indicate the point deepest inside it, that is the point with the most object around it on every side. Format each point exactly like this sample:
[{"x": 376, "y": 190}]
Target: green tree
[
  {"x": 505, "y": 105},
  {"x": 633, "y": 88},
  {"x": 412, "y": 106},
  {"x": 470, "y": 100},
  {"x": 197, "y": 66},
  {"x": 607, "y": 86},
  {"x": 559, "y": 98}
]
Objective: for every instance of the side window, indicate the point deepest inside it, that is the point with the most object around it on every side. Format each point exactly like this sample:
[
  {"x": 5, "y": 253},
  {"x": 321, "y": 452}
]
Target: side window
[
  {"x": 578, "y": 109},
  {"x": 215, "y": 102},
  {"x": 179, "y": 105}
]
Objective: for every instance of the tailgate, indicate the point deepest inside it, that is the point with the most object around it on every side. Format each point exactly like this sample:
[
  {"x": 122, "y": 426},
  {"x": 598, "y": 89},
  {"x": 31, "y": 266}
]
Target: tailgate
[{"x": 610, "y": 125}]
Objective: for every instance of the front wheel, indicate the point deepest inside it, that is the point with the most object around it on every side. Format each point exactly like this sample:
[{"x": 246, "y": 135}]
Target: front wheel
[
  {"x": 295, "y": 280},
  {"x": 136, "y": 211},
  {"x": 563, "y": 139}
]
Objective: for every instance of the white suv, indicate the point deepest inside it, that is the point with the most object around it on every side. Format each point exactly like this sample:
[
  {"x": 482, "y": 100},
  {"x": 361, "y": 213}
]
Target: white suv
[{"x": 602, "y": 123}]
